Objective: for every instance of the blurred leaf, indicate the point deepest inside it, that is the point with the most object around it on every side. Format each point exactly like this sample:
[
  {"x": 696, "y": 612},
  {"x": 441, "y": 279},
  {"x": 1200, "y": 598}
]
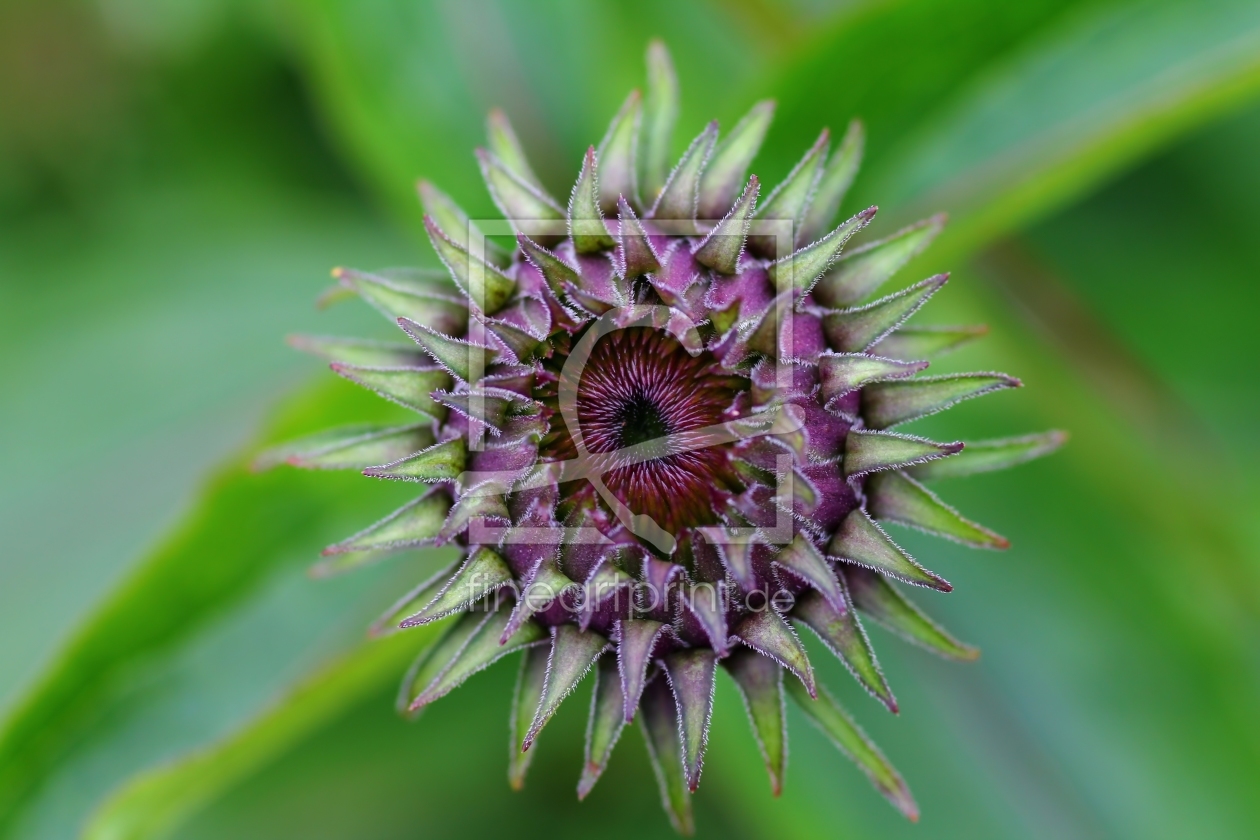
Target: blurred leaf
[
  {"x": 1194, "y": 214},
  {"x": 443, "y": 776},
  {"x": 406, "y": 86},
  {"x": 889, "y": 64},
  {"x": 203, "y": 634},
  {"x": 1000, "y": 123},
  {"x": 142, "y": 290},
  {"x": 155, "y": 801},
  {"x": 1101, "y": 91}
]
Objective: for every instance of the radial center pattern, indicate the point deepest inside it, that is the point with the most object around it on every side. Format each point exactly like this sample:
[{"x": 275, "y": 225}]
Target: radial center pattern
[
  {"x": 640, "y": 387},
  {"x": 641, "y": 420}
]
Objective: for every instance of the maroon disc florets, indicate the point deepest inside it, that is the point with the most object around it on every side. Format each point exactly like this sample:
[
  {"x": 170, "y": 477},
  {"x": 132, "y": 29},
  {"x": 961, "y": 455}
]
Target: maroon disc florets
[{"x": 641, "y": 387}]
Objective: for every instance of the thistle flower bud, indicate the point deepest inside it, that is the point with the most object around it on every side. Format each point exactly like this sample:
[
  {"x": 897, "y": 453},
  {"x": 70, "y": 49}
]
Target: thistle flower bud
[{"x": 660, "y": 433}]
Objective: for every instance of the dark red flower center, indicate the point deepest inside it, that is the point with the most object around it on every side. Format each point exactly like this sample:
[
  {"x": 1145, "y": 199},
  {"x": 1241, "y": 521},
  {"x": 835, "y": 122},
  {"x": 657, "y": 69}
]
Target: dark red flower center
[{"x": 641, "y": 388}]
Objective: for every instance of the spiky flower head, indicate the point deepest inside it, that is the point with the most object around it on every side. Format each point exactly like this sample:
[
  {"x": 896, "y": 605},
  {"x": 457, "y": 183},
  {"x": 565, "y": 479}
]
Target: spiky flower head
[{"x": 659, "y": 430}]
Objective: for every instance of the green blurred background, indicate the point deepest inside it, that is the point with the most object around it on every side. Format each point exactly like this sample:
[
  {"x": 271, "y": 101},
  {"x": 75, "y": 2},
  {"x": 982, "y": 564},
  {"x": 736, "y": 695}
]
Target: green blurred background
[{"x": 178, "y": 176}]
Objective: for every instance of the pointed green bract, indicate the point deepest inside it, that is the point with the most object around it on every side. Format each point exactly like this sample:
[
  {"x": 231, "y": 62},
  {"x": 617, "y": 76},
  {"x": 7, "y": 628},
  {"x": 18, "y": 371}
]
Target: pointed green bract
[
  {"x": 617, "y": 152},
  {"x": 453, "y": 354},
  {"x": 410, "y": 277},
  {"x": 409, "y": 387},
  {"x": 834, "y": 182},
  {"x": 909, "y": 343},
  {"x": 863, "y": 270},
  {"x": 842, "y": 373},
  {"x": 835, "y": 723},
  {"x": 531, "y": 681},
  {"x": 704, "y": 603},
  {"x": 586, "y": 219},
  {"x": 765, "y": 337},
  {"x": 660, "y": 730},
  {"x": 546, "y": 584},
  {"x": 636, "y": 639},
  {"x": 731, "y": 159},
  {"x": 415, "y": 523},
  {"x": 988, "y": 455},
  {"x": 429, "y": 666},
  {"x": 607, "y": 582},
  {"x": 595, "y": 304},
  {"x": 637, "y": 256},
  {"x": 807, "y": 564},
  {"x": 333, "y": 295},
  {"x": 521, "y": 203},
  {"x": 805, "y": 496},
  {"x": 789, "y": 200},
  {"x": 474, "y": 503},
  {"x": 440, "y": 462},
  {"x": 760, "y": 681},
  {"x": 879, "y": 599},
  {"x": 660, "y": 112},
  {"x": 523, "y": 345},
  {"x": 736, "y": 557},
  {"x": 859, "y": 540},
  {"x": 840, "y": 630},
  {"x": 868, "y": 452},
  {"x": 604, "y": 727},
  {"x": 357, "y": 351},
  {"x": 390, "y": 621},
  {"x": 486, "y": 286},
  {"x": 558, "y": 274},
  {"x": 691, "y": 674},
  {"x": 573, "y": 652},
  {"x": 802, "y": 268},
  {"x": 722, "y": 248},
  {"x": 855, "y": 330},
  {"x": 492, "y": 408},
  {"x": 454, "y": 222},
  {"x": 681, "y": 192},
  {"x": 892, "y": 403},
  {"x": 483, "y": 572},
  {"x": 349, "y": 447},
  {"x": 396, "y": 299},
  {"x": 506, "y": 146},
  {"x": 766, "y": 632},
  {"x": 470, "y": 651},
  {"x": 895, "y": 497}
]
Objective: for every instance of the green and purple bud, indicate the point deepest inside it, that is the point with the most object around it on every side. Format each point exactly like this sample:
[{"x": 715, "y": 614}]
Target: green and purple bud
[{"x": 660, "y": 432}]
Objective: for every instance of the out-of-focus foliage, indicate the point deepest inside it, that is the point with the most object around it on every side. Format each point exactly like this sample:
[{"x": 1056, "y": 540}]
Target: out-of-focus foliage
[{"x": 176, "y": 178}]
